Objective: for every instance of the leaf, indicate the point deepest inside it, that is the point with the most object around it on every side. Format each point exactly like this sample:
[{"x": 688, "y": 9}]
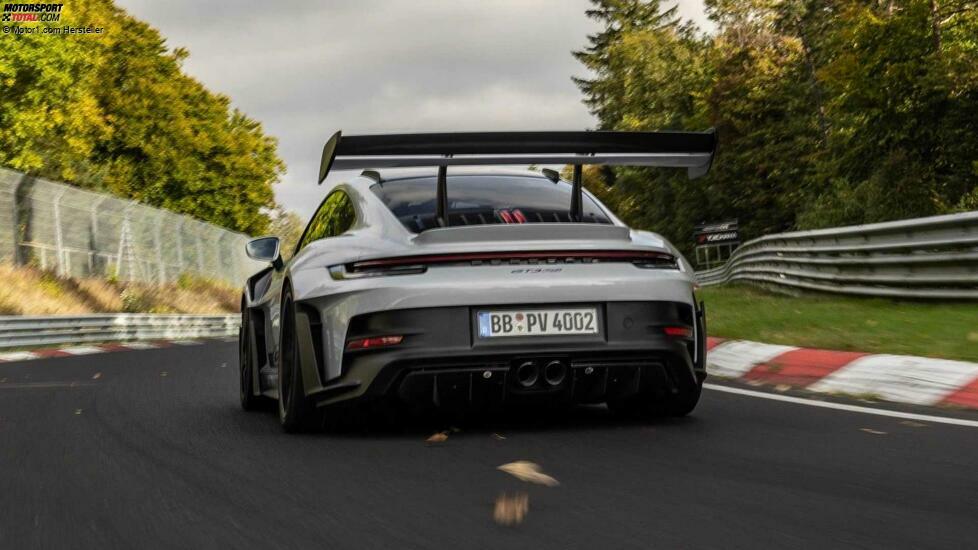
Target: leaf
[
  {"x": 511, "y": 509},
  {"x": 528, "y": 471},
  {"x": 439, "y": 437}
]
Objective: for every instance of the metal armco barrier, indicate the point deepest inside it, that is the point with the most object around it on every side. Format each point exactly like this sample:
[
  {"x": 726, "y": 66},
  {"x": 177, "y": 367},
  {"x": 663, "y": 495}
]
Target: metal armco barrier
[
  {"x": 24, "y": 332},
  {"x": 935, "y": 257}
]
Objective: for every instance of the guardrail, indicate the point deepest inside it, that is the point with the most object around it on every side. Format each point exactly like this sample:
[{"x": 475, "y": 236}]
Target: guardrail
[
  {"x": 935, "y": 257},
  {"x": 24, "y": 332}
]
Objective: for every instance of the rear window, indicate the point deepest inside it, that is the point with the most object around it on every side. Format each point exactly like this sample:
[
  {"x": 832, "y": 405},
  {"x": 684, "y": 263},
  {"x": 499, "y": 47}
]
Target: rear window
[{"x": 486, "y": 199}]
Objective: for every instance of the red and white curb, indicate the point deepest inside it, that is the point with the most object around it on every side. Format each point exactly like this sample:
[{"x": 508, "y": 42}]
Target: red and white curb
[
  {"x": 11, "y": 356},
  {"x": 897, "y": 378}
]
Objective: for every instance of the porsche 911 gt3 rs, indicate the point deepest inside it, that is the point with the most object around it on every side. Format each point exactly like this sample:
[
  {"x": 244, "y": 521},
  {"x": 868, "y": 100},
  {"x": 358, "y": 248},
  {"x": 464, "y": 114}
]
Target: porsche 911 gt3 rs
[{"x": 437, "y": 279}]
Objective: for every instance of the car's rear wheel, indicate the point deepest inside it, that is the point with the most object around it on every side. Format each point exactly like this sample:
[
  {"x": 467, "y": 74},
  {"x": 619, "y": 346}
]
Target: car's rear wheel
[
  {"x": 684, "y": 402},
  {"x": 296, "y": 412},
  {"x": 246, "y": 366},
  {"x": 648, "y": 406}
]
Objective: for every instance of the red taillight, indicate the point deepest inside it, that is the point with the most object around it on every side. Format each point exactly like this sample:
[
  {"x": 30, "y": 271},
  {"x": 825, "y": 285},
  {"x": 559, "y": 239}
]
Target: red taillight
[
  {"x": 679, "y": 332},
  {"x": 505, "y": 216},
  {"x": 542, "y": 255},
  {"x": 373, "y": 342}
]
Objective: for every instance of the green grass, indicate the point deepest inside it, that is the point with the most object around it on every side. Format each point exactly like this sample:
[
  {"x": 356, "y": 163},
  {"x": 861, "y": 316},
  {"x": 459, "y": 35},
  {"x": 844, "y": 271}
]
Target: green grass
[{"x": 946, "y": 330}]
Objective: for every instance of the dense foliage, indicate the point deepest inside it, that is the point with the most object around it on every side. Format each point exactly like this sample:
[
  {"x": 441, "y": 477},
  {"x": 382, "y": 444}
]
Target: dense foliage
[
  {"x": 115, "y": 112},
  {"x": 829, "y": 112}
]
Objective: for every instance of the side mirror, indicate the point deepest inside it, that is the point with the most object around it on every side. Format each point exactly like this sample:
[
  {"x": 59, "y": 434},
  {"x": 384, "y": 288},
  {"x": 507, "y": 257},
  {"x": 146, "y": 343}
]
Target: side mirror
[{"x": 265, "y": 249}]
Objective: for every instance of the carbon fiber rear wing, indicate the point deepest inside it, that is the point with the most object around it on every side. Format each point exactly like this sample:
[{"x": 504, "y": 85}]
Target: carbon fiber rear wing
[{"x": 691, "y": 150}]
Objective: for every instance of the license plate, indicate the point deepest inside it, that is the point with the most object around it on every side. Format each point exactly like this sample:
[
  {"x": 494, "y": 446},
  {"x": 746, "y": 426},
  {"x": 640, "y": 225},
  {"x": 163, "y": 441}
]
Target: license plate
[{"x": 538, "y": 322}]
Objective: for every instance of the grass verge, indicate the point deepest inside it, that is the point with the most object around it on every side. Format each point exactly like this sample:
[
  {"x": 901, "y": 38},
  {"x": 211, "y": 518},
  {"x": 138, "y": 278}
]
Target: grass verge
[
  {"x": 945, "y": 330},
  {"x": 32, "y": 291}
]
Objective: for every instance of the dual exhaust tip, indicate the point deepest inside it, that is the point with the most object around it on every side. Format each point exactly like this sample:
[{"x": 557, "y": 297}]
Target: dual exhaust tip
[{"x": 529, "y": 373}]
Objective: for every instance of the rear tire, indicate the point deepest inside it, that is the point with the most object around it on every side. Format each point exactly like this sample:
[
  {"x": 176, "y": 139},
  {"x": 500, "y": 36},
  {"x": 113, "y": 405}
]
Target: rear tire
[
  {"x": 685, "y": 402},
  {"x": 246, "y": 366},
  {"x": 649, "y": 407},
  {"x": 296, "y": 412}
]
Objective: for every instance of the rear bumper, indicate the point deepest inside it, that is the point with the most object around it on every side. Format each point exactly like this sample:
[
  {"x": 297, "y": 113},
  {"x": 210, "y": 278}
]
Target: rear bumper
[{"x": 441, "y": 361}]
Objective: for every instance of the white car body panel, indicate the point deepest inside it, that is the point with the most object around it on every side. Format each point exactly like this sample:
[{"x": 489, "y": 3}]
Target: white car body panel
[{"x": 379, "y": 234}]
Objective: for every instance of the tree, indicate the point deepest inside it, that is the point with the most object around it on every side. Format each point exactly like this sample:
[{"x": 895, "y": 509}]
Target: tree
[
  {"x": 621, "y": 18},
  {"x": 115, "y": 112},
  {"x": 903, "y": 107},
  {"x": 829, "y": 112}
]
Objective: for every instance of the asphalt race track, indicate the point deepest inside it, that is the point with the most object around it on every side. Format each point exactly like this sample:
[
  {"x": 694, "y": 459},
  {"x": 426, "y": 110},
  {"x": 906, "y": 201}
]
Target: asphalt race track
[{"x": 147, "y": 449}]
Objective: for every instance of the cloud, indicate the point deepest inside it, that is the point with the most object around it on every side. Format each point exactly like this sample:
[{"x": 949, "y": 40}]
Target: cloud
[{"x": 306, "y": 69}]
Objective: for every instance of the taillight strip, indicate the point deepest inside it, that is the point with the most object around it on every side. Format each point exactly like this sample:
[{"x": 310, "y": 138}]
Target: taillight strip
[{"x": 625, "y": 255}]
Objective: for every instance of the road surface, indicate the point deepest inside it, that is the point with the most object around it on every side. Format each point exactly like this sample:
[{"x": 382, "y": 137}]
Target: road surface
[{"x": 149, "y": 449}]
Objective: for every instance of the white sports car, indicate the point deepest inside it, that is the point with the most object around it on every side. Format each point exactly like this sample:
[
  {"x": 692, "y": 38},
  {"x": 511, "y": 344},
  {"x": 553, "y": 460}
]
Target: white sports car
[{"x": 428, "y": 284}]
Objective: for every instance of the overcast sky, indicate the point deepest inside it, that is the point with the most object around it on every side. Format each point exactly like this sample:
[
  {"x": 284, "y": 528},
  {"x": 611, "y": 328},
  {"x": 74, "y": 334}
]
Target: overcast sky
[{"x": 306, "y": 69}]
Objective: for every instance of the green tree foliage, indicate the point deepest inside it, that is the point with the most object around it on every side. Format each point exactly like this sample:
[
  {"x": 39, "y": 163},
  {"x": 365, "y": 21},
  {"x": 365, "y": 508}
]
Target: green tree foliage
[
  {"x": 334, "y": 217},
  {"x": 829, "y": 112},
  {"x": 115, "y": 112}
]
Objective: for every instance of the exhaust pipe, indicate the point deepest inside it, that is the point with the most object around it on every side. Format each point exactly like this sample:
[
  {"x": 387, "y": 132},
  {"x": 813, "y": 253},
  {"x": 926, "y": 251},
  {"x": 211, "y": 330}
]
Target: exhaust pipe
[
  {"x": 554, "y": 373},
  {"x": 527, "y": 374}
]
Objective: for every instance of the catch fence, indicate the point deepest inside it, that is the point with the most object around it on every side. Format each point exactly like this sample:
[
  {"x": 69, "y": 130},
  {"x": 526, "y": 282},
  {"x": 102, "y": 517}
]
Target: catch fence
[{"x": 80, "y": 233}]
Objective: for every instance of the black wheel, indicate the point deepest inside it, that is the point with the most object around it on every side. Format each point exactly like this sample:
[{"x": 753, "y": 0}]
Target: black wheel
[
  {"x": 246, "y": 366},
  {"x": 295, "y": 411},
  {"x": 647, "y": 406},
  {"x": 684, "y": 402}
]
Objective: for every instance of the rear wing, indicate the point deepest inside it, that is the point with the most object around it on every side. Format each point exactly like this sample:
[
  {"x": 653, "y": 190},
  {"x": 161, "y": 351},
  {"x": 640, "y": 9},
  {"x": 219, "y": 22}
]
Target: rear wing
[{"x": 691, "y": 150}]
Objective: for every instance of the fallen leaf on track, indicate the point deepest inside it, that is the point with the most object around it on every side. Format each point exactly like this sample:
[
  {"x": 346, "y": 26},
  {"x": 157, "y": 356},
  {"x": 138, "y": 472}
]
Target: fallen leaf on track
[
  {"x": 164, "y": 373},
  {"x": 78, "y": 411},
  {"x": 97, "y": 375},
  {"x": 528, "y": 471},
  {"x": 439, "y": 437},
  {"x": 871, "y": 431},
  {"x": 913, "y": 424},
  {"x": 511, "y": 509},
  {"x": 498, "y": 437}
]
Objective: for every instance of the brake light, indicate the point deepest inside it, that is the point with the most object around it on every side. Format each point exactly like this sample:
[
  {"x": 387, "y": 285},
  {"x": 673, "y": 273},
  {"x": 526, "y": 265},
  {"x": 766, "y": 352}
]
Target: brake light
[
  {"x": 641, "y": 258},
  {"x": 414, "y": 265},
  {"x": 373, "y": 342},
  {"x": 678, "y": 332}
]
